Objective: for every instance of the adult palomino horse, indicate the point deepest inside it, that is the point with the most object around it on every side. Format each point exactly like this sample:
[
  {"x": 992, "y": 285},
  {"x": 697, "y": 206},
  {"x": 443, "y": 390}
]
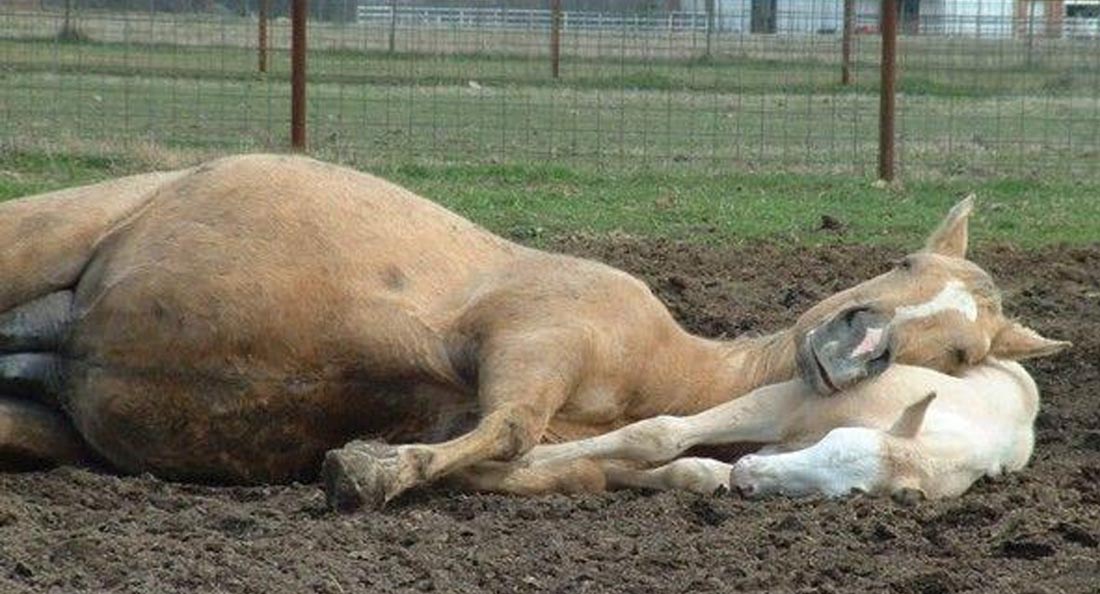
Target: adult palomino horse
[{"x": 235, "y": 321}]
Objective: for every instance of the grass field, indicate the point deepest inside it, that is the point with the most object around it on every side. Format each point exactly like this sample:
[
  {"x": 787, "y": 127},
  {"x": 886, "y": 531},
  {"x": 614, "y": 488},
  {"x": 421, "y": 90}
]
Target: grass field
[
  {"x": 972, "y": 108},
  {"x": 534, "y": 203},
  {"x": 641, "y": 135}
]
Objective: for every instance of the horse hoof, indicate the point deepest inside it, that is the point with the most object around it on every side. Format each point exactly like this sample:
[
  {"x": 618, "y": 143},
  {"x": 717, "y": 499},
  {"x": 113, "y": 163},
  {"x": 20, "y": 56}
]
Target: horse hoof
[{"x": 358, "y": 476}]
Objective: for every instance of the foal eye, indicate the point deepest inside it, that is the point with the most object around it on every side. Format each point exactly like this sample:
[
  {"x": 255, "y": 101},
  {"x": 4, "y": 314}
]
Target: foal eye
[
  {"x": 905, "y": 264},
  {"x": 961, "y": 356}
]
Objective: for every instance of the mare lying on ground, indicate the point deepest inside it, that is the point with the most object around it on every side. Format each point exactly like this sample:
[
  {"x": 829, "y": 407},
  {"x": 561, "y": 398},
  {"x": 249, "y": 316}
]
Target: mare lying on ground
[{"x": 242, "y": 320}]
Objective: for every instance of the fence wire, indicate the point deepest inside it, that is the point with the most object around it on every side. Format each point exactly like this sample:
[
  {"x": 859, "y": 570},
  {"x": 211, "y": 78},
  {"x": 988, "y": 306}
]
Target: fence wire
[{"x": 986, "y": 87}]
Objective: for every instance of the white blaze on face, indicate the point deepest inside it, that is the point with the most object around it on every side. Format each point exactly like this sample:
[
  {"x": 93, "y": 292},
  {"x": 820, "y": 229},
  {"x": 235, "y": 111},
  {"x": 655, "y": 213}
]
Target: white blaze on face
[
  {"x": 846, "y": 458},
  {"x": 954, "y": 296}
]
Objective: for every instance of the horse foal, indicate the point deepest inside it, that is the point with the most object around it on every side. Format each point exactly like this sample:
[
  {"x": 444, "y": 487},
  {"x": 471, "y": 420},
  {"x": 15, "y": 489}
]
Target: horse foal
[{"x": 908, "y": 430}]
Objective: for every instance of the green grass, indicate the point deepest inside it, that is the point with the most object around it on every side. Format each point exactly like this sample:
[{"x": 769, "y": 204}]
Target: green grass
[
  {"x": 536, "y": 203},
  {"x": 798, "y": 73},
  {"x": 976, "y": 108},
  {"x": 829, "y": 132},
  {"x": 25, "y": 173}
]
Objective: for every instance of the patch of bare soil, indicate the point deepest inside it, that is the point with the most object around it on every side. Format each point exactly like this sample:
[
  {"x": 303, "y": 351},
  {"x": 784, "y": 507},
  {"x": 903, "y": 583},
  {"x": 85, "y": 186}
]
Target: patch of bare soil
[{"x": 1036, "y": 531}]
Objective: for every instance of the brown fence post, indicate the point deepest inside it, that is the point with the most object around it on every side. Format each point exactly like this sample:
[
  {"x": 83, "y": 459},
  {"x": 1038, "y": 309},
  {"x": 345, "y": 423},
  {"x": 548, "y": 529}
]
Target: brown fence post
[
  {"x": 710, "y": 25},
  {"x": 846, "y": 42},
  {"x": 887, "y": 90},
  {"x": 265, "y": 6},
  {"x": 393, "y": 27},
  {"x": 299, "y": 10},
  {"x": 555, "y": 37}
]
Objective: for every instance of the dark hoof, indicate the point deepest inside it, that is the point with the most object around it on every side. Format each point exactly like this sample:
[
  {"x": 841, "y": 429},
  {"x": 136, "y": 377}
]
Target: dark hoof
[{"x": 356, "y": 477}]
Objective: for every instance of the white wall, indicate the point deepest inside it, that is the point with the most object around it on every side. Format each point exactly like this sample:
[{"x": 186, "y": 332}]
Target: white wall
[
  {"x": 976, "y": 18},
  {"x": 979, "y": 18}
]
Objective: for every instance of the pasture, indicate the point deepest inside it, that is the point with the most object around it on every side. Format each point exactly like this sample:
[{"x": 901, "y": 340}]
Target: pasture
[
  {"x": 977, "y": 108},
  {"x": 739, "y": 215}
]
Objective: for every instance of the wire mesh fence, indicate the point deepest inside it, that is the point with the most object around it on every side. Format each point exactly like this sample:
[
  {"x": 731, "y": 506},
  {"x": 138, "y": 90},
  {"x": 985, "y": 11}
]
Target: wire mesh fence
[{"x": 985, "y": 87}]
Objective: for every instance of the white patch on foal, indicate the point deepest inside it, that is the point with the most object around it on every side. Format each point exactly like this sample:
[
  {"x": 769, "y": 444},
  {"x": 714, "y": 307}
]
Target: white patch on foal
[
  {"x": 953, "y": 296},
  {"x": 847, "y": 458}
]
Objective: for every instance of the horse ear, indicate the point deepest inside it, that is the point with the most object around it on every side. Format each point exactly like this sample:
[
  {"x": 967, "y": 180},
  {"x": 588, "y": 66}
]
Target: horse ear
[
  {"x": 1016, "y": 341},
  {"x": 950, "y": 238}
]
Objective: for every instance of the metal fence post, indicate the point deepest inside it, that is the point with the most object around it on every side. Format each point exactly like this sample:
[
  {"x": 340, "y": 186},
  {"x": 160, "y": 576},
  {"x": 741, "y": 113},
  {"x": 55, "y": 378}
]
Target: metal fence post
[
  {"x": 846, "y": 42},
  {"x": 710, "y": 25},
  {"x": 887, "y": 94},
  {"x": 393, "y": 27},
  {"x": 555, "y": 37},
  {"x": 299, "y": 10},
  {"x": 261, "y": 42}
]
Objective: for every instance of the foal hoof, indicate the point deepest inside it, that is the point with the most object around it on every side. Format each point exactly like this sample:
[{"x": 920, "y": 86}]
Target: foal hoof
[{"x": 358, "y": 475}]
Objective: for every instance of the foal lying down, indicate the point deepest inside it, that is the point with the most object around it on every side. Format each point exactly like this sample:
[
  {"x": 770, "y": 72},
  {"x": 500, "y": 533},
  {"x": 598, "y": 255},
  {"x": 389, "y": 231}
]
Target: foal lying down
[{"x": 908, "y": 431}]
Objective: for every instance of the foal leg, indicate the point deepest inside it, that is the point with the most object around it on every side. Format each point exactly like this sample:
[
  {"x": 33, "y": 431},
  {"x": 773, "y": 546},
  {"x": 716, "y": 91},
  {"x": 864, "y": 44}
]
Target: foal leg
[
  {"x": 757, "y": 417},
  {"x": 697, "y": 475},
  {"x": 574, "y": 476}
]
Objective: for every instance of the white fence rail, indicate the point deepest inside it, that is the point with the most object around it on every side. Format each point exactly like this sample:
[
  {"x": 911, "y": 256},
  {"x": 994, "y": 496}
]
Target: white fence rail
[
  {"x": 731, "y": 16},
  {"x": 527, "y": 18}
]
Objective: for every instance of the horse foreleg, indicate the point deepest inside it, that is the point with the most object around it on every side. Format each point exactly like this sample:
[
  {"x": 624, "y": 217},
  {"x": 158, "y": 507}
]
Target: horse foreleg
[{"x": 522, "y": 385}]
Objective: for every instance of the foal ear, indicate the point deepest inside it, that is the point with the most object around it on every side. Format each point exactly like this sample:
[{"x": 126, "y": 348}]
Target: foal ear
[
  {"x": 1016, "y": 341},
  {"x": 912, "y": 418},
  {"x": 950, "y": 238}
]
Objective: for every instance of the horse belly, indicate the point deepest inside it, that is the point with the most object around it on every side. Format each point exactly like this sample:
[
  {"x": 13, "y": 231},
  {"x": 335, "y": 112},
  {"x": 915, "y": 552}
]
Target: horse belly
[{"x": 221, "y": 430}]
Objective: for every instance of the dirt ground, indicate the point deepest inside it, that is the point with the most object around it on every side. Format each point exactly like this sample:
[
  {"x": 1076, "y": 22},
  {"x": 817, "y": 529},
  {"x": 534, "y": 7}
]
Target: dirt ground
[{"x": 1036, "y": 531}]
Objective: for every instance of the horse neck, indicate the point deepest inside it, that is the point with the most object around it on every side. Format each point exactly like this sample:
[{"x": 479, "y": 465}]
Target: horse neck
[{"x": 691, "y": 374}]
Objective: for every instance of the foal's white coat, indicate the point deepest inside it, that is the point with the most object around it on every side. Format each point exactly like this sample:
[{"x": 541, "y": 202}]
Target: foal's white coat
[{"x": 886, "y": 435}]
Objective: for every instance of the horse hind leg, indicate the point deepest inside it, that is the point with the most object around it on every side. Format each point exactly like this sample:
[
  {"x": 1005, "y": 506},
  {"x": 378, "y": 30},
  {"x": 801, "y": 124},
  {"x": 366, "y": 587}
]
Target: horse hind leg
[
  {"x": 30, "y": 335},
  {"x": 39, "y": 325},
  {"x": 32, "y": 376},
  {"x": 35, "y": 436}
]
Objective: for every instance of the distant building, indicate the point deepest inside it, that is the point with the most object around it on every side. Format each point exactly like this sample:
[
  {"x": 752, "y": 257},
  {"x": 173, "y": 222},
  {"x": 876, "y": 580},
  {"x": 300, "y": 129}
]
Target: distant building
[
  {"x": 974, "y": 18},
  {"x": 978, "y": 18}
]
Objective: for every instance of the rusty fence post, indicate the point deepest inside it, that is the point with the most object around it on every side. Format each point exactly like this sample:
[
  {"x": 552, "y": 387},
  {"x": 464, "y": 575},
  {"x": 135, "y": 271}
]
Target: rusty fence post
[
  {"x": 392, "y": 45},
  {"x": 887, "y": 94},
  {"x": 710, "y": 26},
  {"x": 299, "y": 10},
  {"x": 555, "y": 37},
  {"x": 261, "y": 41},
  {"x": 846, "y": 42}
]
